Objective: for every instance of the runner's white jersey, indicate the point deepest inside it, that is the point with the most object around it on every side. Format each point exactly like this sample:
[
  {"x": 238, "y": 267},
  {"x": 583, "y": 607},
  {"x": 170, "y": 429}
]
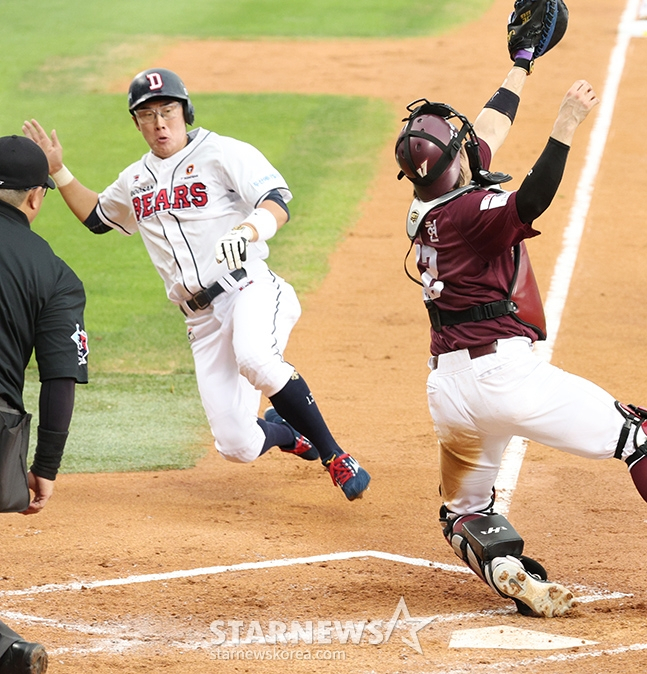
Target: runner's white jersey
[{"x": 182, "y": 205}]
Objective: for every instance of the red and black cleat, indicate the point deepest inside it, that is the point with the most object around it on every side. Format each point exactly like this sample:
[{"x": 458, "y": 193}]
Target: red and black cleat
[{"x": 349, "y": 475}]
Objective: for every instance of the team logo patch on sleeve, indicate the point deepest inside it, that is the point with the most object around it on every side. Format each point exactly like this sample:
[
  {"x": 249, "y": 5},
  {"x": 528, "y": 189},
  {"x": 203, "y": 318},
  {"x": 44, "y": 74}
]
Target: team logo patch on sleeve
[
  {"x": 494, "y": 200},
  {"x": 80, "y": 338}
]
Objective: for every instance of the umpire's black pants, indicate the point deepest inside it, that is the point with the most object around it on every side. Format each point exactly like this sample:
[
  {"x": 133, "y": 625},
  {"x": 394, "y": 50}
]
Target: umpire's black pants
[{"x": 7, "y": 637}]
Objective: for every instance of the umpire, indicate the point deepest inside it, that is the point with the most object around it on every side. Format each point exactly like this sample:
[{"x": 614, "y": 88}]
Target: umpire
[{"x": 41, "y": 310}]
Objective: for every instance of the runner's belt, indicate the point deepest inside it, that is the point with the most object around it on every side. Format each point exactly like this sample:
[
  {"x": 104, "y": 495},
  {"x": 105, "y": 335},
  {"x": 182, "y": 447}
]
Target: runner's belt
[{"x": 203, "y": 298}]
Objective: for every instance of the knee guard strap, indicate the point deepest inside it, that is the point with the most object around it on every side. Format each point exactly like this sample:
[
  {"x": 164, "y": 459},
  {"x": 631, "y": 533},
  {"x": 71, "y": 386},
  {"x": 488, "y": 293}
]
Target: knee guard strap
[{"x": 636, "y": 420}]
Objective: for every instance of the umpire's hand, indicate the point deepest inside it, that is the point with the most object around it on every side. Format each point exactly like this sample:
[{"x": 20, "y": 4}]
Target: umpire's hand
[{"x": 43, "y": 489}]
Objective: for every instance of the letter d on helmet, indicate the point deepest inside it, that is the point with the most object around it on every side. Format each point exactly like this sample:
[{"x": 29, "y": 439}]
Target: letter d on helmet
[{"x": 159, "y": 83}]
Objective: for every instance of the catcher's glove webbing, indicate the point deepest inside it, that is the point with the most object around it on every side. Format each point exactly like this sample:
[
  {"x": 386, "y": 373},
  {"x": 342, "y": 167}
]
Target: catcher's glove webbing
[{"x": 535, "y": 27}]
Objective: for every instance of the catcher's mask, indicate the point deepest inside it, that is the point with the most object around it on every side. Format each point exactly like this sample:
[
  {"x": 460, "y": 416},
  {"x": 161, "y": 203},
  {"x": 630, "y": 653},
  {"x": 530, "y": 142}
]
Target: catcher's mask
[
  {"x": 428, "y": 150},
  {"x": 159, "y": 83}
]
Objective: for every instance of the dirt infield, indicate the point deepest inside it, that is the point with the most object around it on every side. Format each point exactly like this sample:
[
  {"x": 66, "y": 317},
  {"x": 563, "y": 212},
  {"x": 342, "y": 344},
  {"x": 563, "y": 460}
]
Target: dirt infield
[{"x": 126, "y": 573}]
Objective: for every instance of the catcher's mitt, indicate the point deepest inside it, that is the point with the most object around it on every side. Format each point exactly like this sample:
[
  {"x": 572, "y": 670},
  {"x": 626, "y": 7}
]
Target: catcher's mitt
[{"x": 535, "y": 27}]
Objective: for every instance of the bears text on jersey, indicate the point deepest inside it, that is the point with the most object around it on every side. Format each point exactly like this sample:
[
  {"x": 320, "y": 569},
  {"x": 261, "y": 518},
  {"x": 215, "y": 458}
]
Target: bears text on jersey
[{"x": 149, "y": 203}]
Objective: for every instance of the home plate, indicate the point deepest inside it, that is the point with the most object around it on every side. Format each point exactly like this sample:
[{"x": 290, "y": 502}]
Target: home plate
[
  {"x": 638, "y": 28},
  {"x": 512, "y": 638}
]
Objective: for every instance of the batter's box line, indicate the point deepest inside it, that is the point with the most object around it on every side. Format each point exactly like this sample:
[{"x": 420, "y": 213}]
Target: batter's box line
[
  {"x": 595, "y": 595},
  {"x": 110, "y": 639},
  {"x": 532, "y": 664}
]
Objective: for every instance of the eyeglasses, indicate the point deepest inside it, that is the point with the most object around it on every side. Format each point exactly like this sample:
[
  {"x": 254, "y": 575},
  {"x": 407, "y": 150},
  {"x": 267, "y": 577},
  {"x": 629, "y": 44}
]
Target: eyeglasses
[
  {"x": 35, "y": 187},
  {"x": 149, "y": 115}
]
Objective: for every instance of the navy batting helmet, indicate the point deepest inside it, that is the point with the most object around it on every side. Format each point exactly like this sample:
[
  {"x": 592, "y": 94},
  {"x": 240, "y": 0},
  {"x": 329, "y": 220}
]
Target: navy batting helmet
[{"x": 159, "y": 83}]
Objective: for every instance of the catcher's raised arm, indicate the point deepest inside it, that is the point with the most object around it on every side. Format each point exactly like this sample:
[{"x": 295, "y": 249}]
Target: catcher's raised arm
[{"x": 534, "y": 27}]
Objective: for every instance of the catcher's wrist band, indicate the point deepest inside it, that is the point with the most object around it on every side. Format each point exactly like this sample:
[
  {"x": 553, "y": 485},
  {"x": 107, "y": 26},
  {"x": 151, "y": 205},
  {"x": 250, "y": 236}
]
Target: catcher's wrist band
[
  {"x": 525, "y": 64},
  {"x": 524, "y": 58},
  {"x": 504, "y": 101},
  {"x": 263, "y": 222},
  {"x": 62, "y": 177}
]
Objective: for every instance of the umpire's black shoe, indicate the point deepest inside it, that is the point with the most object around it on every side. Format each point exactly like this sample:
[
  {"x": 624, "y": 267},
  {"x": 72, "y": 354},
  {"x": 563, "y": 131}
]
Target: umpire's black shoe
[{"x": 23, "y": 657}]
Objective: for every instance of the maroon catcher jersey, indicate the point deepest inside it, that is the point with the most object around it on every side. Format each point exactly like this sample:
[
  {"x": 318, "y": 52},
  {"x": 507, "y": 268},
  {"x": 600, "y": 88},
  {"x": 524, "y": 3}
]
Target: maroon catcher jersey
[{"x": 464, "y": 255}]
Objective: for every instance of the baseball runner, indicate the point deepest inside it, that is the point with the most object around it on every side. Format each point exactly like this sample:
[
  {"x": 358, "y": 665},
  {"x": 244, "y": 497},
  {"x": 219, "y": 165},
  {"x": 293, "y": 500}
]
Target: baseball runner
[
  {"x": 205, "y": 206},
  {"x": 485, "y": 384},
  {"x": 41, "y": 311}
]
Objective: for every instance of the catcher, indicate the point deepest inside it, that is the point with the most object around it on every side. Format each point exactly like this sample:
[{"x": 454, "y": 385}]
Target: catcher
[{"x": 485, "y": 384}]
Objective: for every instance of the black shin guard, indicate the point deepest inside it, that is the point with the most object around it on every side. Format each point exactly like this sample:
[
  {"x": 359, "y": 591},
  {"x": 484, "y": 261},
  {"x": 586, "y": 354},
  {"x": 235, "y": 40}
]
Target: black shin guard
[{"x": 480, "y": 537}]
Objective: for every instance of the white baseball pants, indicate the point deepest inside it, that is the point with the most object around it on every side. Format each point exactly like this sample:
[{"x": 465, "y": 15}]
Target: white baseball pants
[
  {"x": 238, "y": 345},
  {"x": 478, "y": 405}
]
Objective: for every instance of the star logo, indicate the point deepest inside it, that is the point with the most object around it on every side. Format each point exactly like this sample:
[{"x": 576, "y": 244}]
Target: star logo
[{"x": 415, "y": 625}]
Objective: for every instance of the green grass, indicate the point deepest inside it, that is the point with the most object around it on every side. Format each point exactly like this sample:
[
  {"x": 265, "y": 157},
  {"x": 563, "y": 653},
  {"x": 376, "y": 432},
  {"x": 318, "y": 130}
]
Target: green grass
[
  {"x": 128, "y": 423},
  {"x": 141, "y": 409},
  {"x": 91, "y": 25}
]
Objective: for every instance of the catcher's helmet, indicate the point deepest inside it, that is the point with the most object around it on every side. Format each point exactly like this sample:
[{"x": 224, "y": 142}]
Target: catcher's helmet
[
  {"x": 159, "y": 83},
  {"x": 427, "y": 151}
]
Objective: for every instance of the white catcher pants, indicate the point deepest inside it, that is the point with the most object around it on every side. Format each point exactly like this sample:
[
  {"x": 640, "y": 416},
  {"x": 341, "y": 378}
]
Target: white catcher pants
[
  {"x": 478, "y": 405},
  {"x": 238, "y": 345}
]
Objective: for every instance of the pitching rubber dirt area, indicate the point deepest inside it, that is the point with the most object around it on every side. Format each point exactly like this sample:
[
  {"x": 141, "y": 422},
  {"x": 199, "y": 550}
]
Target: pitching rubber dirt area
[{"x": 128, "y": 572}]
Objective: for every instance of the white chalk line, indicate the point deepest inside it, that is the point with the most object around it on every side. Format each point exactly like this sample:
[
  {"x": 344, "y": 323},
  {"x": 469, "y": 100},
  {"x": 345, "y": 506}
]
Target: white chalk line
[
  {"x": 129, "y": 635},
  {"x": 111, "y": 637},
  {"x": 509, "y": 665},
  {"x": 565, "y": 265},
  {"x": 244, "y": 566},
  {"x": 255, "y": 566},
  {"x": 118, "y": 638}
]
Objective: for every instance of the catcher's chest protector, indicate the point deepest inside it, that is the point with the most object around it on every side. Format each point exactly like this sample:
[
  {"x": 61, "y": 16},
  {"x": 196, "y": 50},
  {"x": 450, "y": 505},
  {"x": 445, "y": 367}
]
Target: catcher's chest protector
[
  {"x": 528, "y": 308},
  {"x": 525, "y": 293}
]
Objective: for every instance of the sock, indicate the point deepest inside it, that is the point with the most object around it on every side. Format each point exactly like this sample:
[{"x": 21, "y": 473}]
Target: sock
[
  {"x": 276, "y": 435},
  {"x": 294, "y": 402}
]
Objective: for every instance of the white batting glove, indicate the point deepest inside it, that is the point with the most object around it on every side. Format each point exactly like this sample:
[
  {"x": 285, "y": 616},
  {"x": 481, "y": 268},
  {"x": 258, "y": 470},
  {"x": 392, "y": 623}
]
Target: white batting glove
[{"x": 233, "y": 246}]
